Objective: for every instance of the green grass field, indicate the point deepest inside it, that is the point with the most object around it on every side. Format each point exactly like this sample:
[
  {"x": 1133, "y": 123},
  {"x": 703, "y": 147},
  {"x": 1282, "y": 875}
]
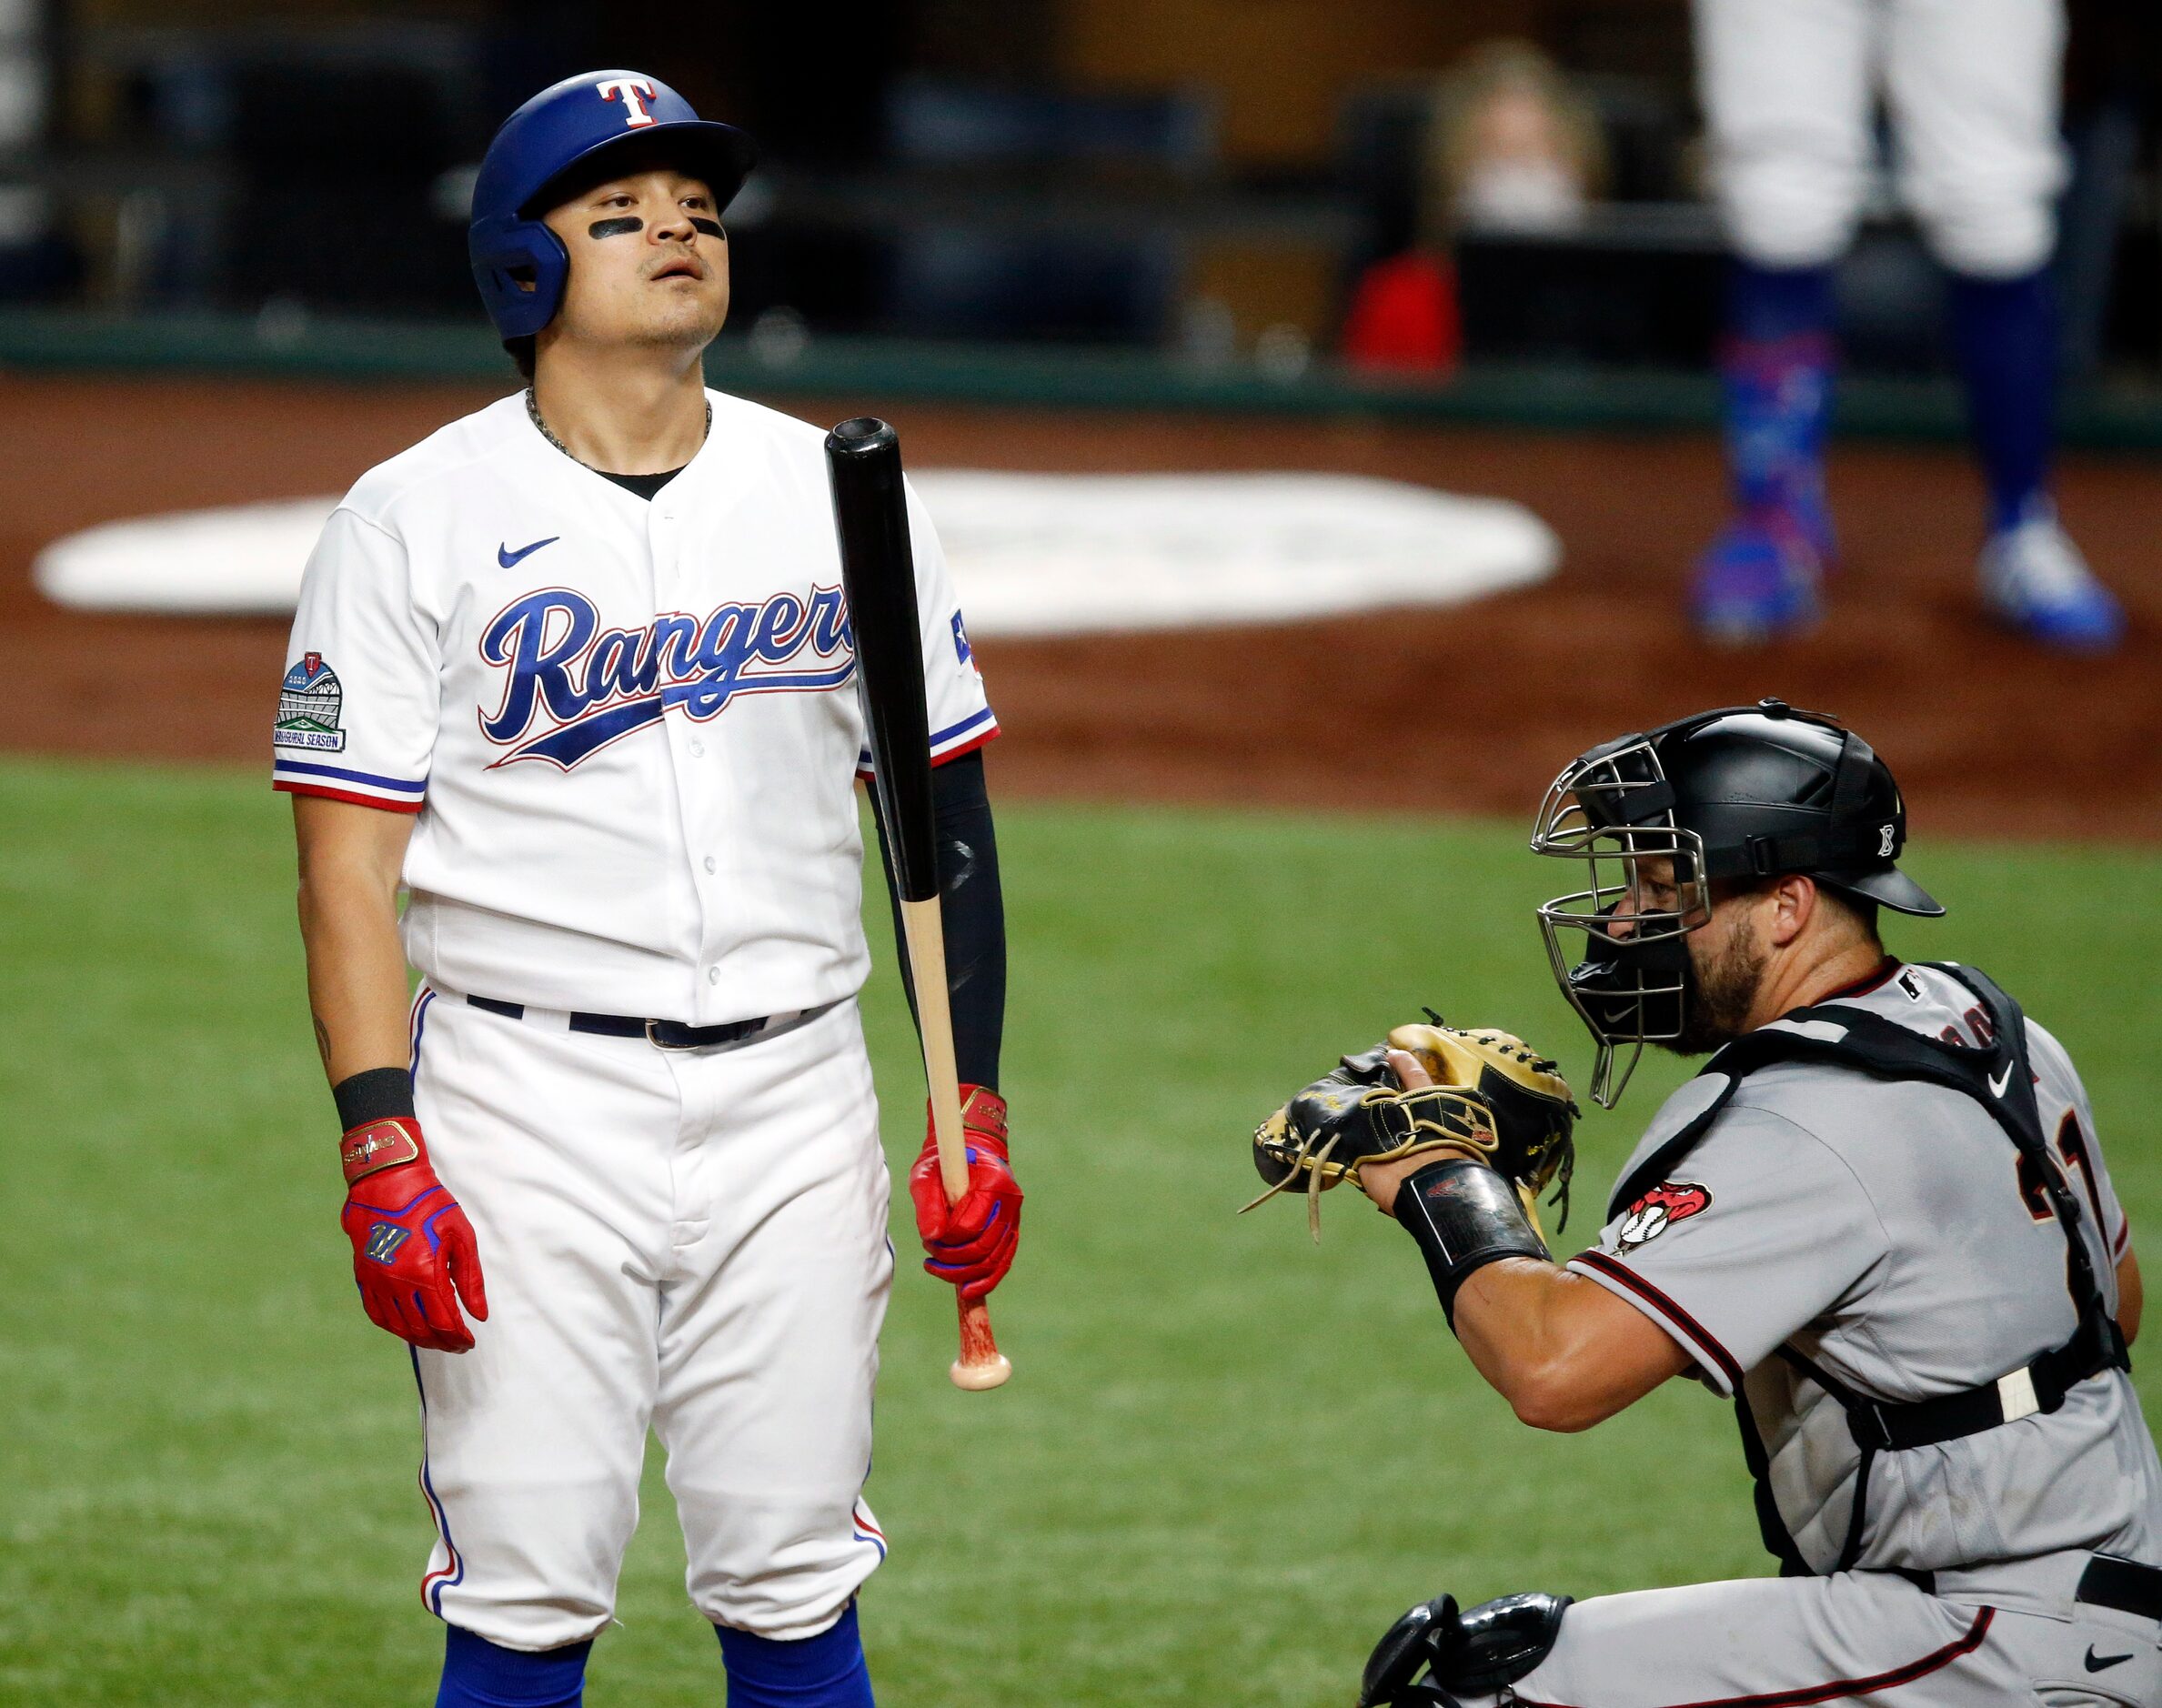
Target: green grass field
[{"x": 1228, "y": 1458}]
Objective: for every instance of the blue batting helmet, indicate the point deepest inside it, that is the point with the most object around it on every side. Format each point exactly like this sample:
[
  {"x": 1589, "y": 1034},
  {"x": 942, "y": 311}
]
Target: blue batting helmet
[{"x": 569, "y": 126}]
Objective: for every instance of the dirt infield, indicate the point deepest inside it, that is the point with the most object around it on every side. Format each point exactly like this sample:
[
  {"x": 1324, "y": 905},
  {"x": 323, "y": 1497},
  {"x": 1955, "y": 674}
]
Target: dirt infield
[{"x": 1473, "y": 709}]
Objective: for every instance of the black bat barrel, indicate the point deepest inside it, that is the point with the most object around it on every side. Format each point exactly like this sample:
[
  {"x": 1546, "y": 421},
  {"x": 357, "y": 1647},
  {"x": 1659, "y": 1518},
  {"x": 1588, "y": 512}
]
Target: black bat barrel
[{"x": 871, "y": 515}]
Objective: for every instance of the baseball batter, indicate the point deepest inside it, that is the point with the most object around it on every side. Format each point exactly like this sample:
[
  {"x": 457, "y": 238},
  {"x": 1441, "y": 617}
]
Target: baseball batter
[
  {"x": 1879, "y": 1220},
  {"x": 576, "y": 674},
  {"x": 1789, "y": 90}
]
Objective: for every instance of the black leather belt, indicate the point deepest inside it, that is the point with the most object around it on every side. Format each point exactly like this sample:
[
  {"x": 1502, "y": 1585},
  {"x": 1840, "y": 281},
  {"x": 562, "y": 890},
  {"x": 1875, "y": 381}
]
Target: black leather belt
[
  {"x": 2123, "y": 1584},
  {"x": 661, "y": 1034}
]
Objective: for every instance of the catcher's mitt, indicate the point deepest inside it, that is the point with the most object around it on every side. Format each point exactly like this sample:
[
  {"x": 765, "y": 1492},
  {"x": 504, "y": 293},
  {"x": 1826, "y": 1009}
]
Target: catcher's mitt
[{"x": 1494, "y": 1099}]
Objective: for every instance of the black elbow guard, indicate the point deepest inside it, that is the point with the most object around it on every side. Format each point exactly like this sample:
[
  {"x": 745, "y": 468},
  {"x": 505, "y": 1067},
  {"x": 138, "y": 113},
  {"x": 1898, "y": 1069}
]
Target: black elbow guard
[{"x": 1464, "y": 1216}]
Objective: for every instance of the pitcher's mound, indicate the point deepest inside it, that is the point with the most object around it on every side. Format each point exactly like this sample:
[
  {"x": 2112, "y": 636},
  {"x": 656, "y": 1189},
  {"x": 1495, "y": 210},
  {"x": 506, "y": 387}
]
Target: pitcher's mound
[{"x": 1031, "y": 554}]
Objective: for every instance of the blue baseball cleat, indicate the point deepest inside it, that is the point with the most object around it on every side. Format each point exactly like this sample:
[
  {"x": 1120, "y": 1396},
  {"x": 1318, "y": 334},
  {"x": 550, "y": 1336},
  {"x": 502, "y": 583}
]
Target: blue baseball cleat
[
  {"x": 2034, "y": 578},
  {"x": 1757, "y": 582}
]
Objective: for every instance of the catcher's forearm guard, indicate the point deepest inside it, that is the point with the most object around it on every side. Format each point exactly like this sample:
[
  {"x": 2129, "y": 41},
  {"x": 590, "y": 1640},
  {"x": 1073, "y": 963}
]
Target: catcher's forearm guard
[{"x": 1464, "y": 1216}]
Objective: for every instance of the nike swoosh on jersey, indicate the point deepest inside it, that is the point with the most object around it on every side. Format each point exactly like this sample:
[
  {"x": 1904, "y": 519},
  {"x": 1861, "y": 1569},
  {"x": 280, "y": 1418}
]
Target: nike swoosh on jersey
[
  {"x": 2099, "y": 1663},
  {"x": 1998, "y": 1081},
  {"x": 506, "y": 557}
]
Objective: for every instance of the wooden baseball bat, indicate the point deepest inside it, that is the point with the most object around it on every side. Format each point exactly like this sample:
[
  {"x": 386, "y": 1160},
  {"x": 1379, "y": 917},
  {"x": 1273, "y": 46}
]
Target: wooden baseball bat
[{"x": 879, "y": 574}]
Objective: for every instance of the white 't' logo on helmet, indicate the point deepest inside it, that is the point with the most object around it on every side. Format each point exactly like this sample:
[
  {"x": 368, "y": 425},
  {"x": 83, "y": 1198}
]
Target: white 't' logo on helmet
[{"x": 628, "y": 90}]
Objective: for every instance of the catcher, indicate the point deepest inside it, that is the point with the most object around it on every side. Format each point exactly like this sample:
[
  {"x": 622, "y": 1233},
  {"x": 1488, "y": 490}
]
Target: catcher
[{"x": 1878, "y": 1221}]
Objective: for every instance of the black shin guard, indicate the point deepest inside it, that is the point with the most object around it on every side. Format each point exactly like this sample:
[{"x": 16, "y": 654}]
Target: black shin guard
[
  {"x": 1407, "y": 1647},
  {"x": 1475, "y": 1652}
]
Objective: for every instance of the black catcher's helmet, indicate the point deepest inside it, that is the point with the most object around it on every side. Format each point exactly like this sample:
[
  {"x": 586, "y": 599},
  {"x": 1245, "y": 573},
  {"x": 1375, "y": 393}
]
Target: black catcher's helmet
[{"x": 1743, "y": 792}]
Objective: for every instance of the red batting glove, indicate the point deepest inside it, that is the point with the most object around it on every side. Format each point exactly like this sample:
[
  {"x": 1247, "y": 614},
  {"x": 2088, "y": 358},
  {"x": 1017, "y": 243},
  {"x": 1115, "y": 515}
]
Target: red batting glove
[
  {"x": 971, "y": 1243},
  {"x": 412, "y": 1244}
]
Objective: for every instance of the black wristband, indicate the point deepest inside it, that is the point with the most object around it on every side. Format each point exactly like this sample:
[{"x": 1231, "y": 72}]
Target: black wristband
[
  {"x": 1464, "y": 1216},
  {"x": 374, "y": 1094}
]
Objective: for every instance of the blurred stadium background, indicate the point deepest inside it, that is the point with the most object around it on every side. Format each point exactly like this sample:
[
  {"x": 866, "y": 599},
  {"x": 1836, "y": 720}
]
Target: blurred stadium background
[
  {"x": 1087, "y": 236},
  {"x": 1049, "y": 236}
]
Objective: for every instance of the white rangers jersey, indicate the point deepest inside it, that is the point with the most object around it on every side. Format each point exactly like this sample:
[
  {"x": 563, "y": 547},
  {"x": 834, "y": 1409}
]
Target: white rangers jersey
[
  {"x": 630, "y": 728},
  {"x": 1884, "y": 1232}
]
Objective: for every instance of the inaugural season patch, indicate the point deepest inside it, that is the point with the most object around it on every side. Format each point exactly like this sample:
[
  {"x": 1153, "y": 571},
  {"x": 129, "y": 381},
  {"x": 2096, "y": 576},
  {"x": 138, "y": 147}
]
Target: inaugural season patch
[
  {"x": 1658, "y": 1210},
  {"x": 309, "y": 703}
]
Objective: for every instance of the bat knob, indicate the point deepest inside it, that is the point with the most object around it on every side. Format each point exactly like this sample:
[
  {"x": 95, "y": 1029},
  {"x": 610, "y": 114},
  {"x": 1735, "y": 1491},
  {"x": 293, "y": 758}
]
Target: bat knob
[
  {"x": 981, "y": 1366},
  {"x": 980, "y": 1377}
]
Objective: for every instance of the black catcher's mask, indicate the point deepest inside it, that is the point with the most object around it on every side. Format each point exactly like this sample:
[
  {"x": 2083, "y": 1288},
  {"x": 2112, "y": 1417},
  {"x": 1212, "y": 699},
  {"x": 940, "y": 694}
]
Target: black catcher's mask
[{"x": 1746, "y": 792}]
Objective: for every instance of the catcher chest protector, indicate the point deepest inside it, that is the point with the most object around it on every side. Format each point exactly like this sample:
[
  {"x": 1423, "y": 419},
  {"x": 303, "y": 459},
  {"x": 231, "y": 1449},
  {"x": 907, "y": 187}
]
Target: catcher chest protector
[
  {"x": 577, "y": 125},
  {"x": 1856, "y": 1037}
]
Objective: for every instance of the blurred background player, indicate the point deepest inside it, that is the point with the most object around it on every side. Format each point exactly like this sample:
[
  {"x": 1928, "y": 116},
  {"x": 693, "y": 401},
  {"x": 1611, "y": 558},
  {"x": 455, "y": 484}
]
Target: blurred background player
[{"x": 1789, "y": 90}]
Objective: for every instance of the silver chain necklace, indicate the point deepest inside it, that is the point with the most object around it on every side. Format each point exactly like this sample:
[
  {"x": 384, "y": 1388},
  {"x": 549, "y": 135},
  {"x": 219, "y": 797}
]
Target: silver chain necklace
[{"x": 533, "y": 414}]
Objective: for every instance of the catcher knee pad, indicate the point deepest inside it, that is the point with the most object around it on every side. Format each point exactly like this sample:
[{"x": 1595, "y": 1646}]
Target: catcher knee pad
[{"x": 1476, "y": 1652}]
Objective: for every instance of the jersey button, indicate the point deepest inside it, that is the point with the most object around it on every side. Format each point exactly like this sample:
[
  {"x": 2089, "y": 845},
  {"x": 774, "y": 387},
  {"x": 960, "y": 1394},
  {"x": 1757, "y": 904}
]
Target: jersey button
[
  {"x": 713, "y": 975},
  {"x": 711, "y": 864},
  {"x": 697, "y": 749}
]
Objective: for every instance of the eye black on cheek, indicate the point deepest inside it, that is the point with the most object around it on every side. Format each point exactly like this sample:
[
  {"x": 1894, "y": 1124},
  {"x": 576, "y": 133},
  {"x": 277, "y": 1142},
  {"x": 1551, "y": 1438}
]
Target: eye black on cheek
[
  {"x": 711, "y": 227},
  {"x": 619, "y": 227}
]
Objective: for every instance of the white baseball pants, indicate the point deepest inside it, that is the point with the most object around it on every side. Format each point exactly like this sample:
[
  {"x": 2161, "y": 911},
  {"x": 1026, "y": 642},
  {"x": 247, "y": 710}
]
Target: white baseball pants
[
  {"x": 1858, "y": 1638},
  {"x": 693, "y": 1241},
  {"x": 1789, "y": 88}
]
